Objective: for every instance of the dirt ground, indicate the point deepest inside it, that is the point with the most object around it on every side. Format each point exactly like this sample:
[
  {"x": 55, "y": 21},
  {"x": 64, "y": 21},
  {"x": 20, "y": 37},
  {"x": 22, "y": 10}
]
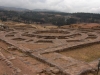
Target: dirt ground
[
  {"x": 88, "y": 53},
  {"x": 37, "y": 46}
]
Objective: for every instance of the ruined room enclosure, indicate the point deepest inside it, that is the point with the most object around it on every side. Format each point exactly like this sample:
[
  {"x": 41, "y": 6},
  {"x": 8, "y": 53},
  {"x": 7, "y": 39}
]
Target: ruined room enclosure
[
  {"x": 71, "y": 51},
  {"x": 86, "y": 53},
  {"x": 13, "y": 61}
]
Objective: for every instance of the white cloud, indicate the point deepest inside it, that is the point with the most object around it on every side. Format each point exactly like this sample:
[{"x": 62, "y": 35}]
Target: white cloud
[
  {"x": 95, "y": 10},
  {"x": 61, "y": 5}
]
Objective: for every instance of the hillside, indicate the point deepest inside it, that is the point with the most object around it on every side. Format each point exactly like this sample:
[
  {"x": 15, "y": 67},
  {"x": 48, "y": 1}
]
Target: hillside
[
  {"x": 46, "y": 16},
  {"x": 13, "y": 8}
]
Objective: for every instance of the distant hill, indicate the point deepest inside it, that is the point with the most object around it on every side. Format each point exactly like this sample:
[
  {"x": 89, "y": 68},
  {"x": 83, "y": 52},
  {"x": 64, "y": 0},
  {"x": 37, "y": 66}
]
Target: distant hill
[
  {"x": 23, "y": 9},
  {"x": 44, "y": 16},
  {"x": 45, "y": 10},
  {"x": 13, "y": 8}
]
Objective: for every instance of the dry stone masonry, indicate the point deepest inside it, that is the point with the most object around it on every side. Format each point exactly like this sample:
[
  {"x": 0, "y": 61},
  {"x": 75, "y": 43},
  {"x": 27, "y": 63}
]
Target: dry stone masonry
[{"x": 61, "y": 40}]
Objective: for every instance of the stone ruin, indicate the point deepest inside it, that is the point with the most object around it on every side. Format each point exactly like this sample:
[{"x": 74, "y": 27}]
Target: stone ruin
[
  {"x": 3, "y": 27},
  {"x": 62, "y": 40}
]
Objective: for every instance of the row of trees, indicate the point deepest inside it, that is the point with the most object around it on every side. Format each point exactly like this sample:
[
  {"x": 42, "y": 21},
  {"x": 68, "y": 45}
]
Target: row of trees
[{"x": 56, "y": 18}]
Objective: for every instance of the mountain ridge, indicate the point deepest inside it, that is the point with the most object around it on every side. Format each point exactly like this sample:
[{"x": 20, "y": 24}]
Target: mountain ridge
[{"x": 13, "y": 8}]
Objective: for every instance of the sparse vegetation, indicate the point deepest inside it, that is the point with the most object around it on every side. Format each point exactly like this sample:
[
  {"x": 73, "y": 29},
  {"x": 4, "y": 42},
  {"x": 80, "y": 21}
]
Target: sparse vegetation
[{"x": 87, "y": 53}]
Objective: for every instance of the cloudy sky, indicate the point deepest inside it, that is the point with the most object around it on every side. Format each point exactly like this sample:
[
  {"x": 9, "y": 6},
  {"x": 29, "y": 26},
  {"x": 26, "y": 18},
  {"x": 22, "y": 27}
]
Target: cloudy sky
[{"x": 59, "y": 5}]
